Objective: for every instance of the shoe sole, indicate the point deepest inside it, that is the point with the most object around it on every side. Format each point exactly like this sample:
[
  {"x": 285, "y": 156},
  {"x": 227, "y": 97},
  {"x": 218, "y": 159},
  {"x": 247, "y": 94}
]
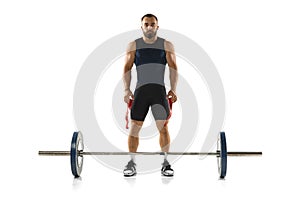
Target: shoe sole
[
  {"x": 130, "y": 175},
  {"x": 167, "y": 175}
]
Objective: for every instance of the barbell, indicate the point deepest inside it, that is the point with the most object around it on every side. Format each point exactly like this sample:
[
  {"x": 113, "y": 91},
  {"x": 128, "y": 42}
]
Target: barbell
[{"x": 76, "y": 154}]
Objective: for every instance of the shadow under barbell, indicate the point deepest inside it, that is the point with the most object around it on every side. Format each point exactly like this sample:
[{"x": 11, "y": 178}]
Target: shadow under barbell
[{"x": 81, "y": 153}]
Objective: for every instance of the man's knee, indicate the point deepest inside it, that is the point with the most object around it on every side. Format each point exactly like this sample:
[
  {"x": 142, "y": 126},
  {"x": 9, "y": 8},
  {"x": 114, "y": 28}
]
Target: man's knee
[
  {"x": 162, "y": 125},
  {"x": 135, "y": 128},
  {"x": 137, "y": 123}
]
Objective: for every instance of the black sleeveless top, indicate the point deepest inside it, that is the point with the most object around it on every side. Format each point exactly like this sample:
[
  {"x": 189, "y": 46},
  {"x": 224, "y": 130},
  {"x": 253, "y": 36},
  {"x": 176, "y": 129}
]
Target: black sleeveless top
[{"x": 150, "y": 61}]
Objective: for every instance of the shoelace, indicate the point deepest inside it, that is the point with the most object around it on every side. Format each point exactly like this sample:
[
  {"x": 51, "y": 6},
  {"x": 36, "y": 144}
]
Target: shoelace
[
  {"x": 130, "y": 165},
  {"x": 166, "y": 163},
  {"x": 168, "y": 167}
]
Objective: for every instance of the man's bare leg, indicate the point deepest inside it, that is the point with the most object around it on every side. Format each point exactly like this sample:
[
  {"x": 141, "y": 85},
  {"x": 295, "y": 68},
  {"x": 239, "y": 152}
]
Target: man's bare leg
[
  {"x": 164, "y": 141},
  {"x": 133, "y": 143},
  {"x": 164, "y": 137},
  {"x": 133, "y": 138}
]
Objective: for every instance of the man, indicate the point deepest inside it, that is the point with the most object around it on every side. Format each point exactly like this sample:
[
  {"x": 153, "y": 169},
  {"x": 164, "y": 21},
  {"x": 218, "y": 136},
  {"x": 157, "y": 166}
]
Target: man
[{"x": 150, "y": 54}]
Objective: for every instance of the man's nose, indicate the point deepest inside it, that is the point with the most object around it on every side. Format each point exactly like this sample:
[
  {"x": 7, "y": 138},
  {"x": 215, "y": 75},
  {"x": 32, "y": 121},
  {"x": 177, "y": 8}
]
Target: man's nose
[{"x": 149, "y": 27}]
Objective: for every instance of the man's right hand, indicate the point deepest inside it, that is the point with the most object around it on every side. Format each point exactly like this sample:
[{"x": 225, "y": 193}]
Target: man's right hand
[{"x": 128, "y": 95}]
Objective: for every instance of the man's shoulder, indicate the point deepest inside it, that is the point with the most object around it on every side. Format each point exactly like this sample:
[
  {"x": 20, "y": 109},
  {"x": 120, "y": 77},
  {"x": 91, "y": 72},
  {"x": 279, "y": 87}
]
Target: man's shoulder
[
  {"x": 131, "y": 46},
  {"x": 169, "y": 46},
  {"x": 134, "y": 42}
]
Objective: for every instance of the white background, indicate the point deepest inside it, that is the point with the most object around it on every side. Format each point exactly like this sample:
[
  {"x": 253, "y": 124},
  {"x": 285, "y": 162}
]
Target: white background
[{"x": 254, "y": 44}]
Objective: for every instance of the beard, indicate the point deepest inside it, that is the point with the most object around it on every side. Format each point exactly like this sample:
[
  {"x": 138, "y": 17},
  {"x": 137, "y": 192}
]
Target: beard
[{"x": 149, "y": 34}]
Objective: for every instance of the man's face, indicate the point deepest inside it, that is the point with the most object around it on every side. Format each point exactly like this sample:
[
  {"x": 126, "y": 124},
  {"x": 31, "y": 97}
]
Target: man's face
[{"x": 149, "y": 27}]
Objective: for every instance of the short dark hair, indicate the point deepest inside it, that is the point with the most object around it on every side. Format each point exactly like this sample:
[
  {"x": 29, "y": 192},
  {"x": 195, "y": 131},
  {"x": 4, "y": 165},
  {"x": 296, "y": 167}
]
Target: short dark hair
[{"x": 149, "y": 15}]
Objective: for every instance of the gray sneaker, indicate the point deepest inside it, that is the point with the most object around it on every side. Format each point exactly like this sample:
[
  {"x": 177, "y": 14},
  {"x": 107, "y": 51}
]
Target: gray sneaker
[
  {"x": 166, "y": 169},
  {"x": 130, "y": 169}
]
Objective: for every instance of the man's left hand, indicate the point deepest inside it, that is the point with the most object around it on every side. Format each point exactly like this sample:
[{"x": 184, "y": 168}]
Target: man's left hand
[{"x": 172, "y": 95}]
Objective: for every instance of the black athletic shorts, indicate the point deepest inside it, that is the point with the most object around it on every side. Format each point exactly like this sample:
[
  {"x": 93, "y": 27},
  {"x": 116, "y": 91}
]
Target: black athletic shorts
[{"x": 153, "y": 95}]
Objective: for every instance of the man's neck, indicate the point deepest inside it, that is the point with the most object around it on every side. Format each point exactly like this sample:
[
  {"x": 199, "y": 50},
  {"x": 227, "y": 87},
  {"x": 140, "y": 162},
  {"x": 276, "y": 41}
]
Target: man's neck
[{"x": 151, "y": 40}]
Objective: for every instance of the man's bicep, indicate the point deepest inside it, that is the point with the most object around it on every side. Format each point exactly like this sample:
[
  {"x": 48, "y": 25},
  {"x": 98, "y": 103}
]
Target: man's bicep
[
  {"x": 170, "y": 55},
  {"x": 129, "y": 60},
  {"x": 129, "y": 57},
  {"x": 171, "y": 60}
]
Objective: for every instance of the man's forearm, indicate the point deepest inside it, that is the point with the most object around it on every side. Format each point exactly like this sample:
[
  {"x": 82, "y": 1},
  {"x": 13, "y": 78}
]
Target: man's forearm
[
  {"x": 173, "y": 79},
  {"x": 127, "y": 80}
]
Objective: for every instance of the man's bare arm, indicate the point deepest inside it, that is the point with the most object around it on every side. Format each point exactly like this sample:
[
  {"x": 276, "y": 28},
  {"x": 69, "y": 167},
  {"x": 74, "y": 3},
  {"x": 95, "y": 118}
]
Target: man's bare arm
[
  {"x": 129, "y": 60},
  {"x": 171, "y": 60}
]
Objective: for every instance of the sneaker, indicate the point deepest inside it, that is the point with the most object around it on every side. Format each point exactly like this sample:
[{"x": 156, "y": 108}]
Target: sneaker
[
  {"x": 130, "y": 169},
  {"x": 166, "y": 169}
]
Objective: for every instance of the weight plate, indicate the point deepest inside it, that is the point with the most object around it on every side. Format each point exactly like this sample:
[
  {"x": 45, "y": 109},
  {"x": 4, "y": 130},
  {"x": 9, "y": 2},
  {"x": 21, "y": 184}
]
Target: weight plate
[
  {"x": 222, "y": 157},
  {"x": 76, "y": 158}
]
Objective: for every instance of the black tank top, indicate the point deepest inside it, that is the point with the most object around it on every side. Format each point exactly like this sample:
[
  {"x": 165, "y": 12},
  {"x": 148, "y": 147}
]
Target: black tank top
[{"x": 150, "y": 61}]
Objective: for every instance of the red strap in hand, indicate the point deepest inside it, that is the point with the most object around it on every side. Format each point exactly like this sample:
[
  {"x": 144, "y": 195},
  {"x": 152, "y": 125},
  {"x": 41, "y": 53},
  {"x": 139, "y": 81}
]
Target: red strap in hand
[
  {"x": 170, "y": 109},
  {"x": 129, "y": 105}
]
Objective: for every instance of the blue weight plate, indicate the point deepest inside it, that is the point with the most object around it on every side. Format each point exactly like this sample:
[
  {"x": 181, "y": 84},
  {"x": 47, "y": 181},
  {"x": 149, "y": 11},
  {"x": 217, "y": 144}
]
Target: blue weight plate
[
  {"x": 222, "y": 158},
  {"x": 76, "y": 159}
]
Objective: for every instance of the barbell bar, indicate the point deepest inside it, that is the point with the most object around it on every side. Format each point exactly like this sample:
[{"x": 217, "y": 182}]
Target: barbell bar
[
  {"x": 81, "y": 153},
  {"x": 76, "y": 154}
]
